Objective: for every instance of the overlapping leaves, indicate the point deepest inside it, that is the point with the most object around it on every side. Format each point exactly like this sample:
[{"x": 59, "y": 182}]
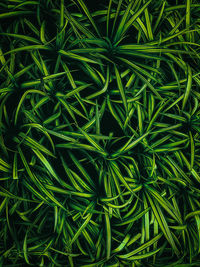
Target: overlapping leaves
[{"x": 99, "y": 133}]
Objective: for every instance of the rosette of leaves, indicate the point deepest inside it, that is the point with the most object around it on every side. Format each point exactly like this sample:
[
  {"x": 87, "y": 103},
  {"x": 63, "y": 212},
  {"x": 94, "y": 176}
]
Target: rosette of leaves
[{"x": 99, "y": 133}]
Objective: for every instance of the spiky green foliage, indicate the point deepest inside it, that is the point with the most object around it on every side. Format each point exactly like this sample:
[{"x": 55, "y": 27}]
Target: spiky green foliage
[{"x": 99, "y": 133}]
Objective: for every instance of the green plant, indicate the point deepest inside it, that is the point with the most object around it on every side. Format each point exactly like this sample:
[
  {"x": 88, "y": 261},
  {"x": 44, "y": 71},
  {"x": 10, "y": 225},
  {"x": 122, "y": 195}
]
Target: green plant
[{"x": 99, "y": 133}]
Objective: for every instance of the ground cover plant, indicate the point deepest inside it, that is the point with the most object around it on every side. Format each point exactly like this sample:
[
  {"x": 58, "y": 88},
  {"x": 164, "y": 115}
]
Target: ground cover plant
[{"x": 99, "y": 133}]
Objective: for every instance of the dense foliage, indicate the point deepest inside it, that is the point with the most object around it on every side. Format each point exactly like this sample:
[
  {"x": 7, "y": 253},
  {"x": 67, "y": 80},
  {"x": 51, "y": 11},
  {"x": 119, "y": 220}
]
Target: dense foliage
[{"x": 100, "y": 133}]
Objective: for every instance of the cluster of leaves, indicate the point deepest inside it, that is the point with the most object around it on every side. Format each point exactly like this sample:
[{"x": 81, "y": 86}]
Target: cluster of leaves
[{"x": 100, "y": 133}]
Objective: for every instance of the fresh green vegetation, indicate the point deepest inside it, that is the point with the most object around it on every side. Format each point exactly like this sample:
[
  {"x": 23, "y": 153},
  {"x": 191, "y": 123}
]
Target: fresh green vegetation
[{"x": 100, "y": 133}]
